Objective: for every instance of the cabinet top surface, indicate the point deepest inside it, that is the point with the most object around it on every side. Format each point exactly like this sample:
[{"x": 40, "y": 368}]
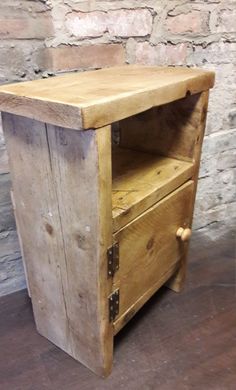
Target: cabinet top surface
[{"x": 94, "y": 99}]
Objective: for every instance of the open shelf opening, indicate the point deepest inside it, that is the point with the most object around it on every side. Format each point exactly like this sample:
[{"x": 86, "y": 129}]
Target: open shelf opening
[
  {"x": 153, "y": 154},
  {"x": 140, "y": 180}
]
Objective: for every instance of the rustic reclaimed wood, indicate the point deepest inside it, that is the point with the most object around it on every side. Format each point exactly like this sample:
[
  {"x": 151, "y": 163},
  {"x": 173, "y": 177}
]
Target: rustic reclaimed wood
[
  {"x": 97, "y": 98},
  {"x": 103, "y": 228},
  {"x": 169, "y": 130},
  {"x": 177, "y": 281},
  {"x": 65, "y": 232},
  {"x": 149, "y": 250},
  {"x": 20, "y": 240},
  {"x": 140, "y": 180},
  {"x": 174, "y": 343},
  {"x": 175, "y": 130}
]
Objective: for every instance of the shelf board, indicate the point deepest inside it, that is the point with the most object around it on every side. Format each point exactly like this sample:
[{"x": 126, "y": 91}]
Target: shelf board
[{"x": 142, "y": 179}]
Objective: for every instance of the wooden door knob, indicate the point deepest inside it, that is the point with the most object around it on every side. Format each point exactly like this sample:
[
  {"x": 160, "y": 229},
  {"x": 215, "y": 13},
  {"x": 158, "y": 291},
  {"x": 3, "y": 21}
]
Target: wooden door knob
[{"x": 184, "y": 234}]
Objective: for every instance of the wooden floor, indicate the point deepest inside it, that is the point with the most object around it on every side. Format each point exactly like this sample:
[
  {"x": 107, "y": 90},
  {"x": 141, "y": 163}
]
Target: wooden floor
[{"x": 176, "y": 342}]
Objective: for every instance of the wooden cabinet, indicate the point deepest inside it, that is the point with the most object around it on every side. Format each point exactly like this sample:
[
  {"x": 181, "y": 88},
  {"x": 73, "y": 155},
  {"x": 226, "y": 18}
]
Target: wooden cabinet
[
  {"x": 149, "y": 251},
  {"x": 103, "y": 224}
]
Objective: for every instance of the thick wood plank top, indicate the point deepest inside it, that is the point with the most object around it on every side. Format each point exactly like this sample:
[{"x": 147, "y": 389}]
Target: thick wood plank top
[{"x": 96, "y": 98}]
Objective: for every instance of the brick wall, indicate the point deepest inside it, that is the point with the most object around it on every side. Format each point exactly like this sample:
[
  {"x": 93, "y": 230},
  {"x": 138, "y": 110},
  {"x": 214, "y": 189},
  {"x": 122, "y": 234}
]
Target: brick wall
[
  {"x": 24, "y": 26},
  {"x": 40, "y": 38}
]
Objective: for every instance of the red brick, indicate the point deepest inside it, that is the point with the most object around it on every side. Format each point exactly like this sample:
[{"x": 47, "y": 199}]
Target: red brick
[
  {"x": 130, "y": 23},
  {"x": 172, "y": 54},
  {"x": 161, "y": 54},
  {"x": 91, "y": 24},
  {"x": 76, "y": 57},
  {"x": 227, "y": 21},
  {"x": 122, "y": 23},
  {"x": 191, "y": 22},
  {"x": 144, "y": 53},
  {"x": 19, "y": 24}
]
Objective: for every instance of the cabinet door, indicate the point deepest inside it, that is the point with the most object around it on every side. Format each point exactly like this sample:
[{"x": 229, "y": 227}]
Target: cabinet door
[{"x": 150, "y": 251}]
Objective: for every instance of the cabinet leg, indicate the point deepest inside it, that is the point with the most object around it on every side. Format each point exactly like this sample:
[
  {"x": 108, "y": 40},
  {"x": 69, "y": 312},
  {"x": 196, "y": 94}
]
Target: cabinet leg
[{"x": 177, "y": 280}]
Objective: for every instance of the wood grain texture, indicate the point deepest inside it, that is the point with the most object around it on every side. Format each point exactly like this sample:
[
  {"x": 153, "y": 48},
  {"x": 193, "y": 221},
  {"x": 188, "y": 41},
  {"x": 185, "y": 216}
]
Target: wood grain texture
[
  {"x": 149, "y": 250},
  {"x": 174, "y": 342},
  {"x": 20, "y": 241},
  {"x": 139, "y": 180},
  {"x": 62, "y": 189},
  {"x": 169, "y": 130},
  {"x": 175, "y": 130},
  {"x": 73, "y": 199},
  {"x": 176, "y": 283},
  {"x": 133, "y": 309},
  {"x": 97, "y": 98}
]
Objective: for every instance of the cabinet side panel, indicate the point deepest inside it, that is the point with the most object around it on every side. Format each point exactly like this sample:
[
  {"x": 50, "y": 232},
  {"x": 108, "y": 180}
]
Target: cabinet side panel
[
  {"x": 57, "y": 177},
  {"x": 81, "y": 166},
  {"x": 177, "y": 281},
  {"x": 38, "y": 222},
  {"x": 20, "y": 242}
]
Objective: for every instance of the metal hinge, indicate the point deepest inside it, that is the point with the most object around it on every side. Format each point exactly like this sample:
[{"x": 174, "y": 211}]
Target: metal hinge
[
  {"x": 113, "y": 259},
  {"x": 114, "y": 303}
]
